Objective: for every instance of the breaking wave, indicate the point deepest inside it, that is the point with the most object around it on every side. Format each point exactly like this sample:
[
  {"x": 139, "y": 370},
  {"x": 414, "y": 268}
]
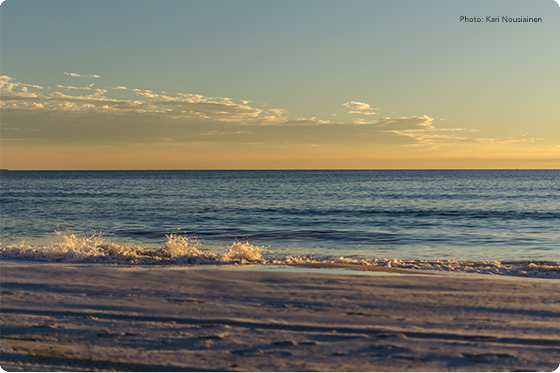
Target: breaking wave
[
  {"x": 181, "y": 250},
  {"x": 71, "y": 248}
]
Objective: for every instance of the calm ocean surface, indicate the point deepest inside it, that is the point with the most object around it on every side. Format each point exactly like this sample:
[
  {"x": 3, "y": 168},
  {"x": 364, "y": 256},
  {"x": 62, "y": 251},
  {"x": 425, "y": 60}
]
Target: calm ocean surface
[{"x": 406, "y": 215}]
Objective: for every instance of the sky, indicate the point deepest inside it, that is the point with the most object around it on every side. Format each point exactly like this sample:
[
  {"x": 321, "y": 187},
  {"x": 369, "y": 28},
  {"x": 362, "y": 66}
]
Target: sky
[{"x": 291, "y": 84}]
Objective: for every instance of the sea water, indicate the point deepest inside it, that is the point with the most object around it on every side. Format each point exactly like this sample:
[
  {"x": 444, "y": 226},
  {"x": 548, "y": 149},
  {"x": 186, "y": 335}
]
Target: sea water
[{"x": 486, "y": 221}]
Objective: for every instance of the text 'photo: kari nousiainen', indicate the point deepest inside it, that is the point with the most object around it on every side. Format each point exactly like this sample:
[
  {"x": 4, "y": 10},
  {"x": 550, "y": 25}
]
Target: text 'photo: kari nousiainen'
[{"x": 504, "y": 19}]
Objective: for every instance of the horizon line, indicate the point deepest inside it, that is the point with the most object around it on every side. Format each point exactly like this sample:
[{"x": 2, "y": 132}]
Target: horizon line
[{"x": 288, "y": 169}]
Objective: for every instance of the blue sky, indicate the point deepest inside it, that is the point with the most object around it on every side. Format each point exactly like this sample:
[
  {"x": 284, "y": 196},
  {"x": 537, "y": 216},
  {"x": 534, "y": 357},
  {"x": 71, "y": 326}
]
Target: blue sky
[{"x": 344, "y": 84}]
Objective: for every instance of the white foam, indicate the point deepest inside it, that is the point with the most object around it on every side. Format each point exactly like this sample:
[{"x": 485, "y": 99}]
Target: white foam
[
  {"x": 178, "y": 249},
  {"x": 243, "y": 252},
  {"x": 95, "y": 248}
]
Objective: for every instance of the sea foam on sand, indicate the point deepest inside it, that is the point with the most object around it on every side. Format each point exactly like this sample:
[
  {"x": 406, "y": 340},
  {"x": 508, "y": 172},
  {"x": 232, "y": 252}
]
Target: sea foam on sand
[{"x": 106, "y": 317}]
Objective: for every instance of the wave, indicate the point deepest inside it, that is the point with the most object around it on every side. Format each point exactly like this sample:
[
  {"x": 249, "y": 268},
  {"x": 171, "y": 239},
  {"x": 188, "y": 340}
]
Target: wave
[
  {"x": 181, "y": 250},
  {"x": 72, "y": 248}
]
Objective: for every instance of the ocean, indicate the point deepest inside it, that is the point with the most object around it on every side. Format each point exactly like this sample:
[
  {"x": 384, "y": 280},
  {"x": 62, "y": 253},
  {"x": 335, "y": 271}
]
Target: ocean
[{"x": 501, "y": 222}]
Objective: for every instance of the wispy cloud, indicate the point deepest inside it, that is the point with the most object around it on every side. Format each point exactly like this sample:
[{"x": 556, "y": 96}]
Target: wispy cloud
[
  {"x": 102, "y": 115},
  {"x": 360, "y": 108},
  {"x": 75, "y": 75},
  {"x": 72, "y": 87},
  {"x": 414, "y": 123},
  {"x": 276, "y": 112}
]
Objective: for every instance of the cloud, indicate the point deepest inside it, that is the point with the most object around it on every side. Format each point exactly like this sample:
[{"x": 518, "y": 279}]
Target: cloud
[
  {"x": 429, "y": 137},
  {"x": 420, "y": 129},
  {"x": 15, "y": 96},
  {"x": 276, "y": 112},
  {"x": 359, "y": 108},
  {"x": 357, "y": 105},
  {"x": 71, "y": 87},
  {"x": 8, "y": 86},
  {"x": 75, "y": 75},
  {"x": 101, "y": 116},
  {"x": 147, "y": 94},
  {"x": 32, "y": 86},
  {"x": 414, "y": 123},
  {"x": 313, "y": 121},
  {"x": 7, "y": 83}
]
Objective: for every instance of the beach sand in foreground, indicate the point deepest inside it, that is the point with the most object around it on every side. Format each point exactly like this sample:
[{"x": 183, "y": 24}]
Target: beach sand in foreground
[{"x": 60, "y": 317}]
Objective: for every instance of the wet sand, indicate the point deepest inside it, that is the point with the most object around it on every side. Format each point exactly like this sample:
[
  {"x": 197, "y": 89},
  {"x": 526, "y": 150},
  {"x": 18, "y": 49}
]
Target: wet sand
[{"x": 62, "y": 317}]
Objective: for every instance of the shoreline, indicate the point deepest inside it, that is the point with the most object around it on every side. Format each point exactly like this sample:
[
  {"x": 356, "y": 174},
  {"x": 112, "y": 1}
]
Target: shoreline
[
  {"x": 333, "y": 268},
  {"x": 117, "y": 318},
  {"x": 359, "y": 267}
]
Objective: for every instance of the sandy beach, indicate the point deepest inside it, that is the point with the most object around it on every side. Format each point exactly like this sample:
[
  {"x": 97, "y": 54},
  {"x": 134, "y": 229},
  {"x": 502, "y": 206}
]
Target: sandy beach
[{"x": 72, "y": 318}]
